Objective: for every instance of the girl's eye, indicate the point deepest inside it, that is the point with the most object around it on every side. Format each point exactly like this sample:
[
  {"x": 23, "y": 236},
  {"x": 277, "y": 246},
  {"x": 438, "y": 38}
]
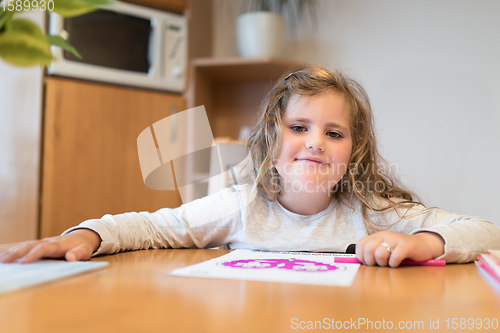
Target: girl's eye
[
  {"x": 298, "y": 128},
  {"x": 334, "y": 135}
]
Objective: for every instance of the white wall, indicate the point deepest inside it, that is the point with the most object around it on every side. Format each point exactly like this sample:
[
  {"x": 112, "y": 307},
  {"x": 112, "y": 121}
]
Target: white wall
[
  {"x": 20, "y": 125},
  {"x": 432, "y": 70}
]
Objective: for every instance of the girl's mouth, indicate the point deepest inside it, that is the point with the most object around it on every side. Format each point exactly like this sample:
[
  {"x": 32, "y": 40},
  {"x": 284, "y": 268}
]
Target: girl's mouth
[{"x": 312, "y": 160}]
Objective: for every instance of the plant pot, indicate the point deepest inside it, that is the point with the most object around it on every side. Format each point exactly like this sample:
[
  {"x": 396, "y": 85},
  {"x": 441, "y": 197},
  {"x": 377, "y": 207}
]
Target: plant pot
[{"x": 261, "y": 34}]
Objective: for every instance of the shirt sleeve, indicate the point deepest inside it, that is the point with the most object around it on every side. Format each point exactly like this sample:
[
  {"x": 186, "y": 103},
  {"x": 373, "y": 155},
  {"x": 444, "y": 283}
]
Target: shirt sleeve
[
  {"x": 203, "y": 223},
  {"x": 465, "y": 237}
]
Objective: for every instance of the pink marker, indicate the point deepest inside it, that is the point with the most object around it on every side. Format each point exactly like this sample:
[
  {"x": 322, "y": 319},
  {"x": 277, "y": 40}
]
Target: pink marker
[{"x": 405, "y": 262}]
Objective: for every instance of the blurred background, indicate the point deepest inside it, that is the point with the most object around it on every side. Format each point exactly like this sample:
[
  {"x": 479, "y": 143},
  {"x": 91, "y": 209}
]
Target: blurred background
[{"x": 431, "y": 70}]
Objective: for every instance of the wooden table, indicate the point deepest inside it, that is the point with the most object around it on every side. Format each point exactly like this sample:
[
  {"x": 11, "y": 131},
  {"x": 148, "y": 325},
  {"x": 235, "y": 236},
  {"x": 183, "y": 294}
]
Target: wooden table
[{"x": 136, "y": 294}]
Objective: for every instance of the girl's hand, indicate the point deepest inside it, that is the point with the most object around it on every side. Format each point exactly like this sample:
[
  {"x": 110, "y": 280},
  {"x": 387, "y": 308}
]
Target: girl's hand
[
  {"x": 419, "y": 247},
  {"x": 77, "y": 245}
]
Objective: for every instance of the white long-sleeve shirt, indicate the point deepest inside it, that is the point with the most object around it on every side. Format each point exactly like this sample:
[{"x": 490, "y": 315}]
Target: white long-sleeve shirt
[{"x": 238, "y": 218}]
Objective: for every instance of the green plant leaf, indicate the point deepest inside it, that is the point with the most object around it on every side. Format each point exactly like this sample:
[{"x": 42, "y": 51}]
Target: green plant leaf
[
  {"x": 99, "y": 2},
  {"x": 70, "y": 8},
  {"x": 22, "y": 43},
  {"x": 24, "y": 26},
  {"x": 63, "y": 44},
  {"x": 22, "y": 49},
  {"x": 5, "y": 17}
]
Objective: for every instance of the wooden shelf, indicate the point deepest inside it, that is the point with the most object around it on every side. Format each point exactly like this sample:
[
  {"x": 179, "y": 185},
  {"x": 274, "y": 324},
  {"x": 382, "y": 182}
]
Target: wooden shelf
[
  {"x": 244, "y": 69},
  {"x": 231, "y": 89}
]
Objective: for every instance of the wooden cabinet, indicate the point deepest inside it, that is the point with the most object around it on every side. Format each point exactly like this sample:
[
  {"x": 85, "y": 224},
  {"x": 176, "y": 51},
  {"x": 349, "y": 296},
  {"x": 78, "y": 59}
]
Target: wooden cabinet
[
  {"x": 90, "y": 164},
  {"x": 90, "y": 160},
  {"x": 231, "y": 91},
  {"x": 176, "y": 6}
]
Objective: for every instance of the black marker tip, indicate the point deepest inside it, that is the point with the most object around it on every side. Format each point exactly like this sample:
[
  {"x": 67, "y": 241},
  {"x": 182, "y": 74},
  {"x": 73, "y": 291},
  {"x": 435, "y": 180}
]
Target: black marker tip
[{"x": 351, "y": 249}]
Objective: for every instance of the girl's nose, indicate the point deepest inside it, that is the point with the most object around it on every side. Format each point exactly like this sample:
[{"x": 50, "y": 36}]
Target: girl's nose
[{"x": 315, "y": 141}]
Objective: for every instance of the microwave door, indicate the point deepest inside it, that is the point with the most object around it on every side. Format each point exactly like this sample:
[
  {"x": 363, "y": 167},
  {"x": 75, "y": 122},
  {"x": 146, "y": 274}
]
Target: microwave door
[
  {"x": 110, "y": 39},
  {"x": 123, "y": 44}
]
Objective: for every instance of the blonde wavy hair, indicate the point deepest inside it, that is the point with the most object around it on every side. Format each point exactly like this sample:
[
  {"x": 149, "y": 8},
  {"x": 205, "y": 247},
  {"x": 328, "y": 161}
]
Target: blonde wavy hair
[{"x": 366, "y": 177}]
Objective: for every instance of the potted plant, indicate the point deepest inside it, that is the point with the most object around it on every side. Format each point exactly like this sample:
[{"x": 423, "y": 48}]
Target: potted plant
[
  {"x": 261, "y": 29},
  {"x": 22, "y": 42}
]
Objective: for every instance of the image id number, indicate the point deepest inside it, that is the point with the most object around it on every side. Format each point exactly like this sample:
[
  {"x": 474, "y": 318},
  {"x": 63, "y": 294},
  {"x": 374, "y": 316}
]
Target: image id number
[
  {"x": 472, "y": 323},
  {"x": 25, "y": 5}
]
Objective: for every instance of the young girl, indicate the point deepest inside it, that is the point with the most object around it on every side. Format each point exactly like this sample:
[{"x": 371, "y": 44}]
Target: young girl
[{"x": 317, "y": 184}]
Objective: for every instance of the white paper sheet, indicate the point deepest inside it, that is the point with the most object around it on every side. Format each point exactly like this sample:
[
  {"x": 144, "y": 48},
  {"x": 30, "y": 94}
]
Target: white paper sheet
[
  {"x": 15, "y": 276},
  {"x": 288, "y": 267}
]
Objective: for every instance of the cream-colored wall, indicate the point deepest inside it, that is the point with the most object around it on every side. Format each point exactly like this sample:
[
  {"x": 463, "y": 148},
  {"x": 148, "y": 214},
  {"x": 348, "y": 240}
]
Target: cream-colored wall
[
  {"x": 432, "y": 71},
  {"x": 20, "y": 123}
]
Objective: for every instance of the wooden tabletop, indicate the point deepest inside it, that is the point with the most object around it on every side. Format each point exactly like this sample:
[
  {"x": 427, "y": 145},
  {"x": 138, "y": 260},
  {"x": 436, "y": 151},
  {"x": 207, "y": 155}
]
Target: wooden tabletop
[{"x": 136, "y": 294}]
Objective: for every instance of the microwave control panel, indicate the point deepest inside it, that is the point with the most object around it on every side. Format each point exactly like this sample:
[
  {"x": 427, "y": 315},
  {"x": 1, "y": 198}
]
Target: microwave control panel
[{"x": 175, "y": 52}]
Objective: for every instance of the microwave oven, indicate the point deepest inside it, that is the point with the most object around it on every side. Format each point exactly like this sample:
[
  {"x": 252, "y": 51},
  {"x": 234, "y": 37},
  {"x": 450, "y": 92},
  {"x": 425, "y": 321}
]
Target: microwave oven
[{"x": 123, "y": 44}]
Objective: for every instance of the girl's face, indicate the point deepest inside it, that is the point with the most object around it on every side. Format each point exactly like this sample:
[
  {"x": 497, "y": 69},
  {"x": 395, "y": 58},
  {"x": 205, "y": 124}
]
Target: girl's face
[{"x": 316, "y": 143}]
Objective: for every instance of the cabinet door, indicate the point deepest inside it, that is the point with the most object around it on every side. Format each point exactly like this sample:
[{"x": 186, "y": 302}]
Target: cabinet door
[{"x": 90, "y": 160}]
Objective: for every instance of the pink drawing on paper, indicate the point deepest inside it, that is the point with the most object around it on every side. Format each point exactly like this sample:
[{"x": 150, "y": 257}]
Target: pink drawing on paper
[{"x": 289, "y": 264}]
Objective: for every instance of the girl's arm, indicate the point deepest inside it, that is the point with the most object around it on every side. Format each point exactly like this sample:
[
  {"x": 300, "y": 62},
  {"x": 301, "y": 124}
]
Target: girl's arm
[
  {"x": 206, "y": 222},
  {"x": 427, "y": 234}
]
